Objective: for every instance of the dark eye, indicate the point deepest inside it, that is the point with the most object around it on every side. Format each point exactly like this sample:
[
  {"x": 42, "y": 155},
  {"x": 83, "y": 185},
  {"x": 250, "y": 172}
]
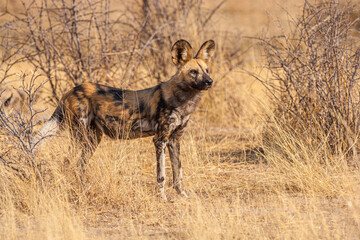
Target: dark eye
[
  {"x": 194, "y": 71},
  {"x": 207, "y": 70}
]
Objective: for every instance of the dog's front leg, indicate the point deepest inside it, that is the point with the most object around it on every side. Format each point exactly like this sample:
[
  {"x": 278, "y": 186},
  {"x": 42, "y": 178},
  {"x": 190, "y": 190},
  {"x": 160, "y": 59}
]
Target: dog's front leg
[
  {"x": 160, "y": 167},
  {"x": 174, "y": 152},
  {"x": 168, "y": 124}
]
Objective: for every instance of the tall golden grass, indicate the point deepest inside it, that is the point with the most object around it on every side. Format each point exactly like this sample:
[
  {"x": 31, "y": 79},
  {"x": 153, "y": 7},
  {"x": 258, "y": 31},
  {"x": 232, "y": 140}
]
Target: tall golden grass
[{"x": 290, "y": 189}]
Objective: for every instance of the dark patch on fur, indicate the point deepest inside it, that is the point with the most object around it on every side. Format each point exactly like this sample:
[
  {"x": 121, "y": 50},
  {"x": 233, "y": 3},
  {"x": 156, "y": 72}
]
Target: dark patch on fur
[
  {"x": 58, "y": 114},
  {"x": 161, "y": 106},
  {"x": 117, "y": 94},
  {"x": 111, "y": 119},
  {"x": 100, "y": 90},
  {"x": 78, "y": 90},
  {"x": 141, "y": 106},
  {"x": 160, "y": 180}
]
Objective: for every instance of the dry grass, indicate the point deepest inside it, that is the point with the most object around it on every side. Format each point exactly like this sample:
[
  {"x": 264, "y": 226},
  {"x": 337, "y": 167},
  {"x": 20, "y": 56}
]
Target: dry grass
[
  {"x": 230, "y": 197},
  {"x": 237, "y": 191}
]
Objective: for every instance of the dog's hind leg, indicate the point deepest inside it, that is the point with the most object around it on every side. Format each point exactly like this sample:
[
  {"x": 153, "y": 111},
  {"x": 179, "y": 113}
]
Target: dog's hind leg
[{"x": 89, "y": 138}]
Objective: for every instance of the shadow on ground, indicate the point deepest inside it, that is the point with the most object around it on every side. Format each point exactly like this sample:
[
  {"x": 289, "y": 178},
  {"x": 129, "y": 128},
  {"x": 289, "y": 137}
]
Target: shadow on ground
[{"x": 253, "y": 156}]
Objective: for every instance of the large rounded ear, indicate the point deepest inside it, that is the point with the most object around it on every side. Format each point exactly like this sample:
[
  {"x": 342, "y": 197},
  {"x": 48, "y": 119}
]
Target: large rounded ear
[
  {"x": 181, "y": 52},
  {"x": 21, "y": 93},
  {"x": 206, "y": 51}
]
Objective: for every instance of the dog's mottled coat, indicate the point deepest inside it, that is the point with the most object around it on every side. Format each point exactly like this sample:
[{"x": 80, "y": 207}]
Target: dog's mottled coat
[{"x": 163, "y": 111}]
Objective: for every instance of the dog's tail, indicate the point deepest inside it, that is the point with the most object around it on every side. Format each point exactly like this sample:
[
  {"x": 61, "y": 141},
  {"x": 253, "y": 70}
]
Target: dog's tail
[{"x": 50, "y": 128}]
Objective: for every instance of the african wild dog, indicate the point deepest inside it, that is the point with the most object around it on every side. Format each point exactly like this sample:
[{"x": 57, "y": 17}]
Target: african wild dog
[
  {"x": 15, "y": 103},
  {"x": 91, "y": 110},
  {"x": 12, "y": 99}
]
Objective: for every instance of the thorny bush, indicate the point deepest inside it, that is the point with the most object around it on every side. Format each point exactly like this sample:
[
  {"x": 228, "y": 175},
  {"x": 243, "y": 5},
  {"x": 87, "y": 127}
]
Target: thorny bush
[{"x": 315, "y": 76}]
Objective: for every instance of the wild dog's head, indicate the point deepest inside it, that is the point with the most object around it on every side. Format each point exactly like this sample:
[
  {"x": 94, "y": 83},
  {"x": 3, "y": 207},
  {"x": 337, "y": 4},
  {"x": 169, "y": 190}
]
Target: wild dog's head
[
  {"x": 11, "y": 99},
  {"x": 194, "y": 71}
]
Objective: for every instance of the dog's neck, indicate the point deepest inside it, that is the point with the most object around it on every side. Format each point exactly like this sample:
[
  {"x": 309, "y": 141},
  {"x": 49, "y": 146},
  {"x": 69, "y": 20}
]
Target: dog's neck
[{"x": 177, "y": 93}]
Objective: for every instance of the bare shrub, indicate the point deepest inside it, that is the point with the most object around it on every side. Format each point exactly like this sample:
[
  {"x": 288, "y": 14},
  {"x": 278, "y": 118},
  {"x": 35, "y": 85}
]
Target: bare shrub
[
  {"x": 17, "y": 128},
  {"x": 69, "y": 41},
  {"x": 315, "y": 76}
]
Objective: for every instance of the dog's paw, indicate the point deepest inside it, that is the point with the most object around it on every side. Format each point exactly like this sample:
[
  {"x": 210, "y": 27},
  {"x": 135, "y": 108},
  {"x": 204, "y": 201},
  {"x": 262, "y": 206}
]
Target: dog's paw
[
  {"x": 163, "y": 196},
  {"x": 183, "y": 194}
]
